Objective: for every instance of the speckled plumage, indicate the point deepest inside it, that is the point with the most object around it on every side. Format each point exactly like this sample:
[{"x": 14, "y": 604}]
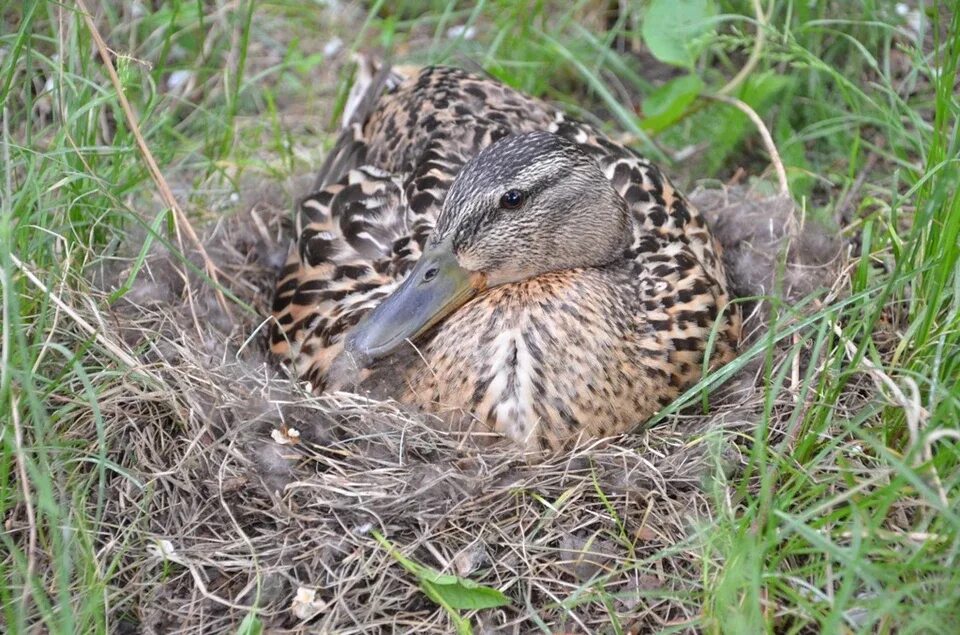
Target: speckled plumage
[{"x": 548, "y": 355}]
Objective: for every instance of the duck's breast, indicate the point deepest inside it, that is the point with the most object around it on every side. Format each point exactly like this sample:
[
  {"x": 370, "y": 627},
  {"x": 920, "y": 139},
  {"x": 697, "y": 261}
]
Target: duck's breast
[{"x": 545, "y": 360}]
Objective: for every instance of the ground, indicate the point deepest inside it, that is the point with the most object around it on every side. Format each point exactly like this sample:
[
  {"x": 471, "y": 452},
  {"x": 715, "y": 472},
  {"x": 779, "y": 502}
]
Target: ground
[{"x": 149, "y": 478}]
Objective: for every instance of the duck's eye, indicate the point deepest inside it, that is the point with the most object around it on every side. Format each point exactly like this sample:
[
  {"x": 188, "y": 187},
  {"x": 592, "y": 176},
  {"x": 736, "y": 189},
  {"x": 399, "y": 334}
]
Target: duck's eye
[
  {"x": 512, "y": 199},
  {"x": 429, "y": 274}
]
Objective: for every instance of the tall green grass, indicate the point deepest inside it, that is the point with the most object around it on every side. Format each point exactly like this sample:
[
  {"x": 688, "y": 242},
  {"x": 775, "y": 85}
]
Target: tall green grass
[
  {"x": 72, "y": 188},
  {"x": 853, "y": 525}
]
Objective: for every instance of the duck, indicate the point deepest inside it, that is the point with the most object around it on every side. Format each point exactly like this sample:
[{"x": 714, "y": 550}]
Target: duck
[{"x": 510, "y": 269}]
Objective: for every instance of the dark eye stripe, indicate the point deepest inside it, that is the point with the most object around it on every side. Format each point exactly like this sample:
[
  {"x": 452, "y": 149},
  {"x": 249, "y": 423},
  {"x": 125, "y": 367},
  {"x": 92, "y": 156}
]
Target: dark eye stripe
[{"x": 512, "y": 199}]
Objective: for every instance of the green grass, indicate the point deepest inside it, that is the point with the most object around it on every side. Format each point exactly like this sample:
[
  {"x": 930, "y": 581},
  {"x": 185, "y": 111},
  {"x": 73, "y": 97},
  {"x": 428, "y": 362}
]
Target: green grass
[{"x": 851, "y": 525}]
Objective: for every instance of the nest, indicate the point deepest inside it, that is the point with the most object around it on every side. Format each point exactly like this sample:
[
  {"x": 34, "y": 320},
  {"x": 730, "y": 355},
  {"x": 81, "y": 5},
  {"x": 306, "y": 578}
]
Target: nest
[{"x": 245, "y": 494}]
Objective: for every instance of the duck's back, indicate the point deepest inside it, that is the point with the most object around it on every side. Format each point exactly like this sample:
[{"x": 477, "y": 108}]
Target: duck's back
[{"x": 446, "y": 109}]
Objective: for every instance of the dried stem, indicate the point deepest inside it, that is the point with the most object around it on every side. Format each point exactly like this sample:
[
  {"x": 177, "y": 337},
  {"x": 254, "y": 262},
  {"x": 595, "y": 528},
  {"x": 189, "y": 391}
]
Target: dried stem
[
  {"x": 180, "y": 219},
  {"x": 755, "y": 54},
  {"x": 764, "y": 134}
]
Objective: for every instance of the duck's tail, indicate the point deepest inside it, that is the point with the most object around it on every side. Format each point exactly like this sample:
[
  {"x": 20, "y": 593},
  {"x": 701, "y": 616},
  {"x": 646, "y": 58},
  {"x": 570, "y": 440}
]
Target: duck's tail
[{"x": 373, "y": 78}]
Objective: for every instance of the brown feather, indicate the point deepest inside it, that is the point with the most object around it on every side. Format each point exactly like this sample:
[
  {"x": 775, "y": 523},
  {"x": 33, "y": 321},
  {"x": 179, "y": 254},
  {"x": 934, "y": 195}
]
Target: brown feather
[{"x": 588, "y": 351}]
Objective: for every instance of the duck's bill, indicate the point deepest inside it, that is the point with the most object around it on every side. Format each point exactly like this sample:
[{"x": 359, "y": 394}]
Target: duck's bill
[{"x": 436, "y": 287}]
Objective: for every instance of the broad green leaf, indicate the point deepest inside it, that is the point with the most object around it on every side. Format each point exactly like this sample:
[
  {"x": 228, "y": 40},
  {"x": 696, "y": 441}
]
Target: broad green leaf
[
  {"x": 669, "y": 102},
  {"x": 452, "y": 592},
  {"x": 466, "y": 594},
  {"x": 251, "y": 625},
  {"x": 671, "y": 29}
]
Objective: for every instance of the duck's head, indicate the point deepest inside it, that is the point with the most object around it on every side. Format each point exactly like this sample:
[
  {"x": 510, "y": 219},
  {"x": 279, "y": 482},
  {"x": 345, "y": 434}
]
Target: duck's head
[{"x": 526, "y": 205}]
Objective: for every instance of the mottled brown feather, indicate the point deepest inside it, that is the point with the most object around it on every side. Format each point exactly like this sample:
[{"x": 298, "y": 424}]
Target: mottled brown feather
[{"x": 583, "y": 352}]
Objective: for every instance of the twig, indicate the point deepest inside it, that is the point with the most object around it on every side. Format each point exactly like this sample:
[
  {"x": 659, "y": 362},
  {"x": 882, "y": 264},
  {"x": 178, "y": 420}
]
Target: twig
[
  {"x": 764, "y": 134},
  {"x": 848, "y": 198},
  {"x": 239, "y": 529},
  {"x": 915, "y": 413},
  {"x": 27, "y": 503},
  {"x": 911, "y": 407},
  {"x": 5, "y": 335},
  {"x": 795, "y": 371},
  {"x": 180, "y": 219},
  {"x": 205, "y": 592},
  {"x": 85, "y": 326}
]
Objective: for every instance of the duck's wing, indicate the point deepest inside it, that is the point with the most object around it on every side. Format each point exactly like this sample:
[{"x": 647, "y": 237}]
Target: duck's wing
[
  {"x": 662, "y": 215},
  {"x": 355, "y": 242},
  {"x": 372, "y": 81},
  {"x": 684, "y": 284},
  {"x": 335, "y": 263}
]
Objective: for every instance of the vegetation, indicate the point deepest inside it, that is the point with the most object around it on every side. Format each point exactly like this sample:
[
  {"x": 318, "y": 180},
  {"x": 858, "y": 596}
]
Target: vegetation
[{"x": 845, "y": 516}]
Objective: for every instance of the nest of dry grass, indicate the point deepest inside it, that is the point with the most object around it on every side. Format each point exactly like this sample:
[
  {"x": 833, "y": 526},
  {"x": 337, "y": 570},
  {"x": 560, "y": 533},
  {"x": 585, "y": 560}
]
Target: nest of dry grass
[{"x": 224, "y": 518}]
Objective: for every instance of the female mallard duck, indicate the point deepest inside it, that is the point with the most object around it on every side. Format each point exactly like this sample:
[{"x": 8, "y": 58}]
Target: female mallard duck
[{"x": 553, "y": 283}]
